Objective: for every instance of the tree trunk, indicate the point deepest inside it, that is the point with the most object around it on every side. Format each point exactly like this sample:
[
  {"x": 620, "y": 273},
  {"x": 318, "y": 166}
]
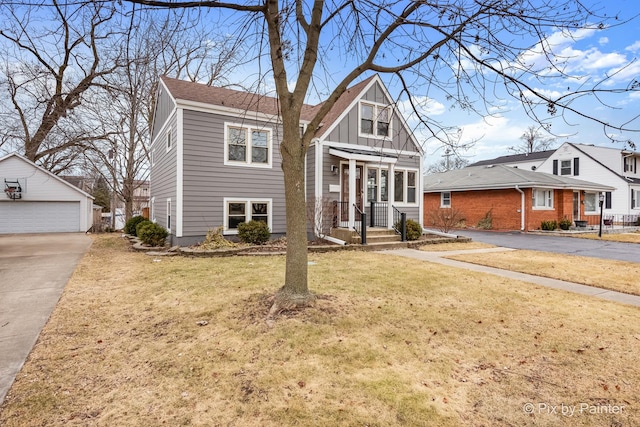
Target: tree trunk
[{"x": 295, "y": 292}]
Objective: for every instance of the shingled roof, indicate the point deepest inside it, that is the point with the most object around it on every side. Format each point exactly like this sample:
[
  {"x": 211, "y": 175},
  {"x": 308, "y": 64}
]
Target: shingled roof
[
  {"x": 247, "y": 101},
  {"x": 515, "y": 158}
]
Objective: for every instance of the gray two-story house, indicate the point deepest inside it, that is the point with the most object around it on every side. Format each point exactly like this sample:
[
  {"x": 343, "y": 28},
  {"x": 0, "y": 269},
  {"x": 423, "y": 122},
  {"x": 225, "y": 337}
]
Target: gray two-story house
[{"x": 215, "y": 160}]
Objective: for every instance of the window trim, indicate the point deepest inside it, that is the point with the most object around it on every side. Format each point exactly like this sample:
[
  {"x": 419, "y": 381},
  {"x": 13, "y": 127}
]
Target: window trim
[
  {"x": 546, "y": 199},
  {"x": 376, "y": 107},
  {"x": 168, "y": 215},
  {"x": 596, "y": 202},
  {"x": 442, "y": 200},
  {"x": 570, "y": 168},
  {"x": 391, "y": 197},
  {"x": 169, "y": 139},
  {"x": 247, "y": 202},
  {"x": 249, "y": 147}
]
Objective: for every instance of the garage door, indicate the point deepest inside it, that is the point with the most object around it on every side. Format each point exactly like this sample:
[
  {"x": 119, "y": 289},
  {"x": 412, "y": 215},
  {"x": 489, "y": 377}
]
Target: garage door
[{"x": 39, "y": 217}]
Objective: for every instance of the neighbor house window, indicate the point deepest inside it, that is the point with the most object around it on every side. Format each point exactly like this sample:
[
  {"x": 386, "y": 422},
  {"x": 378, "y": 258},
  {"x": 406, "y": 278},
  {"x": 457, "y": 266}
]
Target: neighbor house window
[
  {"x": 565, "y": 167},
  {"x": 445, "y": 199},
  {"x": 238, "y": 211},
  {"x": 542, "y": 199},
  {"x": 375, "y": 120},
  {"x": 247, "y": 146},
  {"x": 630, "y": 164},
  {"x": 635, "y": 199},
  {"x": 591, "y": 203}
]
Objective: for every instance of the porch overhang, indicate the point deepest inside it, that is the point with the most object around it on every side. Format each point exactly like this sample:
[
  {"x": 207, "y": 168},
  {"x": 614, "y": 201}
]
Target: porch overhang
[{"x": 363, "y": 155}]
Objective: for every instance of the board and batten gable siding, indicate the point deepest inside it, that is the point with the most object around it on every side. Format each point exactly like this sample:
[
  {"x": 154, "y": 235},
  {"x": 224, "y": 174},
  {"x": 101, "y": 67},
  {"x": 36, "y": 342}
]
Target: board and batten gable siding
[
  {"x": 347, "y": 131},
  {"x": 207, "y": 180},
  {"x": 163, "y": 175},
  {"x": 164, "y": 107}
]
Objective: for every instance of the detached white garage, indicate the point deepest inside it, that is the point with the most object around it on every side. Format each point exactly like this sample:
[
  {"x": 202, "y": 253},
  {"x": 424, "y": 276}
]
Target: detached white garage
[{"x": 36, "y": 201}]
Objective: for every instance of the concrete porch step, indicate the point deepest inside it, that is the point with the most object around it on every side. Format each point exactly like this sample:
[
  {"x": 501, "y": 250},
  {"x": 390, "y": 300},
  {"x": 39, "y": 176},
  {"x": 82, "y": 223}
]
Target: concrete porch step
[{"x": 374, "y": 235}]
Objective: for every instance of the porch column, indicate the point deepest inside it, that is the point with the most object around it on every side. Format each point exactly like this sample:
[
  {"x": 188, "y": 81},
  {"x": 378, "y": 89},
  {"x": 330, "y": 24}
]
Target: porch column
[
  {"x": 391, "y": 183},
  {"x": 352, "y": 193}
]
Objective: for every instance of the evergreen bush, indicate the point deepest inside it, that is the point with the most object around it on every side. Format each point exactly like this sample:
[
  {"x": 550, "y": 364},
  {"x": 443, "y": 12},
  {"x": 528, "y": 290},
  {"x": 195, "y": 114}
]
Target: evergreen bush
[
  {"x": 152, "y": 234},
  {"x": 132, "y": 223},
  {"x": 254, "y": 232}
]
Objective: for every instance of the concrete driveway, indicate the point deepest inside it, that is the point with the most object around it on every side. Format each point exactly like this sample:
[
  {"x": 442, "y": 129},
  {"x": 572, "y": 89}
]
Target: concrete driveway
[
  {"x": 34, "y": 269},
  {"x": 566, "y": 245}
]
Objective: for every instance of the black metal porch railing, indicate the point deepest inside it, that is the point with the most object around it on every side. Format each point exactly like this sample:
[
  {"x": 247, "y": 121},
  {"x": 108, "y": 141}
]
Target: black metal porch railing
[
  {"x": 612, "y": 220},
  {"x": 378, "y": 213},
  {"x": 400, "y": 223},
  {"x": 361, "y": 226}
]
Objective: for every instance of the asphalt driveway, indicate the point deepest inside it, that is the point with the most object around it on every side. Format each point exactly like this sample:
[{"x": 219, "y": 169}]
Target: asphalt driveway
[
  {"x": 34, "y": 269},
  {"x": 565, "y": 245}
]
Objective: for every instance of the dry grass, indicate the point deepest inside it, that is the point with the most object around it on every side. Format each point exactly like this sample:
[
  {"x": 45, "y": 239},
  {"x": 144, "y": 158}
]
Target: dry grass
[
  {"x": 619, "y": 276},
  {"x": 392, "y": 343},
  {"x": 455, "y": 246},
  {"x": 613, "y": 237}
]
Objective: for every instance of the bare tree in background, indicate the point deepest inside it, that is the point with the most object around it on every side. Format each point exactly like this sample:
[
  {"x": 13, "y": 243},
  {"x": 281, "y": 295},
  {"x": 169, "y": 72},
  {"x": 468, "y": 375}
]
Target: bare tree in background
[
  {"x": 170, "y": 43},
  {"x": 464, "y": 49},
  {"x": 448, "y": 164},
  {"x": 533, "y": 140},
  {"x": 53, "y": 55}
]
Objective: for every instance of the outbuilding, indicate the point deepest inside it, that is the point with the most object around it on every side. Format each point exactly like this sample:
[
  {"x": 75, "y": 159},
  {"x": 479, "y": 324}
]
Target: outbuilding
[{"x": 37, "y": 201}]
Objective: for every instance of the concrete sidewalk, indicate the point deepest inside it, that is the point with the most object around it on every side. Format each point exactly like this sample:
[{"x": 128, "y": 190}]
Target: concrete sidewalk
[
  {"x": 438, "y": 257},
  {"x": 34, "y": 270}
]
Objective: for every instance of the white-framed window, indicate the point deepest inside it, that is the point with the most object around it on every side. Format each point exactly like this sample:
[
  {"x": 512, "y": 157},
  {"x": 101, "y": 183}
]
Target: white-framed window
[
  {"x": 377, "y": 185},
  {"x": 591, "y": 203},
  {"x": 169, "y": 215},
  {"x": 630, "y": 164},
  {"x": 635, "y": 199},
  {"x": 542, "y": 199},
  {"x": 445, "y": 199},
  {"x": 398, "y": 186},
  {"x": 565, "y": 167},
  {"x": 375, "y": 120},
  {"x": 238, "y": 210},
  {"x": 247, "y": 146},
  {"x": 169, "y": 139},
  {"x": 405, "y": 185},
  {"x": 411, "y": 187}
]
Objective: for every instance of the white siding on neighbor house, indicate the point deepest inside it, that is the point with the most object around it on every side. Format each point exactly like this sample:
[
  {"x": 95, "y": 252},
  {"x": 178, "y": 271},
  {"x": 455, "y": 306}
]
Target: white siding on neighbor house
[
  {"x": 208, "y": 181},
  {"x": 66, "y": 207},
  {"x": 594, "y": 171}
]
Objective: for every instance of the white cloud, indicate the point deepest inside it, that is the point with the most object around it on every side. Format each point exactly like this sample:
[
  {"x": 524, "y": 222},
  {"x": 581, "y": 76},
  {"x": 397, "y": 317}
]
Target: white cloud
[
  {"x": 603, "y": 40},
  {"x": 634, "y": 47},
  {"x": 425, "y": 105},
  {"x": 493, "y": 136}
]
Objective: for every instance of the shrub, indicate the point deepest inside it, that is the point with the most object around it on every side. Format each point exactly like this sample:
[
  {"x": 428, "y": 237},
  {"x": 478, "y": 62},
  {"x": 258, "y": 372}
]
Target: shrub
[
  {"x": 152, "y": 234},
  {"x": 446, "y": 218},
  {"x": 130, "y": 226},
  {"x": 486, "y": 223},
  {"x": 549, "y": 225},
  {"x": 140, "y": 225},
  {"x": 565, "y": 223},
  {"x": 414, "y": 230},
  {"x": 254, "y": 232}
]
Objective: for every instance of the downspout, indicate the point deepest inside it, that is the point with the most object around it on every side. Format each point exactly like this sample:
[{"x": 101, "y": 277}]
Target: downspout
[{"x": 521, "y": 207}]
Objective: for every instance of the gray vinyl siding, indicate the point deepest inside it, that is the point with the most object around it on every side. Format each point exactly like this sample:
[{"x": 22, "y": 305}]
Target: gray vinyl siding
[
  {"x": 164, "y": 107},
  {"x": 207, "y": 180},
  {"x": 163, "y": 179},
  {"x": 348, "y": 129}
]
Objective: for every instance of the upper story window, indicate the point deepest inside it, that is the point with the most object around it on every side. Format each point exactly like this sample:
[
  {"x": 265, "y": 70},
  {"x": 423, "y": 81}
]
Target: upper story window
[
  {"x": 630, "y": 164},
  {"x": 246, "y": 145},
  {"x": 169, "y": 139},
  {"x": 375, "y": 120},
  {"x": 542, "y": 199},
  {"x": 567, "y": 166}
]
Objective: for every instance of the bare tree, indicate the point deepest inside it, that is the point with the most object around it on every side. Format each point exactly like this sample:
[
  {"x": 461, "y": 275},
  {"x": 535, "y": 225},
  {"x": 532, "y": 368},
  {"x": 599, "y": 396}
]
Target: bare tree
[
  {"x": 464, "y": 49},
  {"x": 451, "y": 161},
  {"x": 157, "y": 44},
  {"x": 533, "y": 140},
  {"x": 53, "y": 55}
]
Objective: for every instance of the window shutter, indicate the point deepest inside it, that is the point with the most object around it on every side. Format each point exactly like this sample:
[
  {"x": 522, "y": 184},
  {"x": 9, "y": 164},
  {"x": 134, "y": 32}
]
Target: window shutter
[
  {"x": 633, "y": 200},
  {"x": 607, "y": 200},
  {"x": 555, "y": 167},
  {"x": 576, "y": 166},
  {"x": 635, "y": 164}
]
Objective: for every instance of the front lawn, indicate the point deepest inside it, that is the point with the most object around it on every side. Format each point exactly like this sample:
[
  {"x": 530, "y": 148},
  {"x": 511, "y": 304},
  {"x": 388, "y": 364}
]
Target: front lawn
[{"x": 144, "y": 341}]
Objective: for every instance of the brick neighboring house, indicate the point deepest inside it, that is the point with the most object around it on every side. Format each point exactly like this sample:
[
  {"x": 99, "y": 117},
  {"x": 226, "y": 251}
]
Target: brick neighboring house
[{"x": 516, "y": 199}]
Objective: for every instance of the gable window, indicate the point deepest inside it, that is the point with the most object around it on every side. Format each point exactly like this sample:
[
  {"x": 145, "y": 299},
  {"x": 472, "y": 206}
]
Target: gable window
[
  {"x": 238, "y": 211},
  {"x": 542, "y": 199},
  {"x": 565, "y": 167},
  {"x": 591, "y": 203},
  {"x": 247, "y": 146},
  {"x": 445, "y": 199},
  {"x": 630, "y": 164},
  {"x": 375, "y": 120}
]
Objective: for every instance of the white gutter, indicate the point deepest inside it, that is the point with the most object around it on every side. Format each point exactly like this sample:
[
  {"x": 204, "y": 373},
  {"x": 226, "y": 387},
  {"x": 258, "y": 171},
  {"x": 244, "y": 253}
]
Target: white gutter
[
  {"x": 521, "y": 207},
  {"x": 334, "y": 240}
]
